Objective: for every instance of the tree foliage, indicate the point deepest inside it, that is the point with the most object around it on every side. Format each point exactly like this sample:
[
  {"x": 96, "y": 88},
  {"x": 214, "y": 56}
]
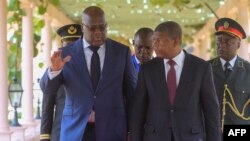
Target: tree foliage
[{"x": 14, "y": 22}]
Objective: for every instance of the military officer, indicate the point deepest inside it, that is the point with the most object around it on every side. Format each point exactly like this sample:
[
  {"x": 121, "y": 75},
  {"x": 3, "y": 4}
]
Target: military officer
[
  {"x": 231, "y": 73},
  {"x": 53, "y": 104}
]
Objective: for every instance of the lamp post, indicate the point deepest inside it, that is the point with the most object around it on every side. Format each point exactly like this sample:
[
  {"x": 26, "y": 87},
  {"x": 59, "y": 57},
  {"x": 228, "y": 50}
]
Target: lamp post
[
  {"x": 15, "y": 97},
  {"x": 37, "y": 91}
]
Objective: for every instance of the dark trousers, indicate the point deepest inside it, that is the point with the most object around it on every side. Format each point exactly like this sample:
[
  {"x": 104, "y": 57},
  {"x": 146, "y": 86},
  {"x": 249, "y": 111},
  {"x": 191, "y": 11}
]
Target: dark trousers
[
  {"x": 89, "y": 134},
  {"x": 172, "y": 136}
]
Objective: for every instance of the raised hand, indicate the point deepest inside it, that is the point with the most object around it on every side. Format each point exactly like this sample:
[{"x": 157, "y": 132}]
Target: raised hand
[{"x": 57, "y": 62}]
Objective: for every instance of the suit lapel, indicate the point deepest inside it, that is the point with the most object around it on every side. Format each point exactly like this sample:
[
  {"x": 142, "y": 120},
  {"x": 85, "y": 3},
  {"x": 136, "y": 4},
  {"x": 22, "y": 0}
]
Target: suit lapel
[
  {"x": 161, "y": 82},
  {"x": 238, "y": 68},
  {"x": 217, "y": 68},
  {"x": 107, "y": 65},
  {"x": 185, "y": 79},
  {"x": 81, "y": 63}
]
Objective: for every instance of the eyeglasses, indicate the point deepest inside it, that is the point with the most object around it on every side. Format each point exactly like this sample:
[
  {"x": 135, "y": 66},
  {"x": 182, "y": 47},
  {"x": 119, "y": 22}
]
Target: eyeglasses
[{"x": 93, "y": 28}]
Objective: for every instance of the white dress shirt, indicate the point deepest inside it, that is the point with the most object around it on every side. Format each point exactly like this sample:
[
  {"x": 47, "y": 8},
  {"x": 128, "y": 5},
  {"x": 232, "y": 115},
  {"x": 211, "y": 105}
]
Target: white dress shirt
[
  {"x": 179, "y": 60},
  {"x": 231, "y": 62}
]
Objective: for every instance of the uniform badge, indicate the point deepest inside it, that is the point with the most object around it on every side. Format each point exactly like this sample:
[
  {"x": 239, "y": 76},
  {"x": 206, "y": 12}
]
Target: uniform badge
[
  {"x": 226, "y": 25},
  {"x": 72, "y": 30}
]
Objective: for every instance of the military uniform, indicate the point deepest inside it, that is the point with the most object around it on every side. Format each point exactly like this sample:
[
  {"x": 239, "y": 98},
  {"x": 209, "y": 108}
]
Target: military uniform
[
  {"x": 232, "y": 86},
  {"x": 53, "y": 104},
  {"x": 238, "y": 83}
]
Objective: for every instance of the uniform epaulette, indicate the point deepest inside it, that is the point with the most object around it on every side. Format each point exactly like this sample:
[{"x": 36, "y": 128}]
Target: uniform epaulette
[
  {"x": 241, "y": 64},
  {"x": 214, "y": 62},
  {"x": 44, "y": 136}
]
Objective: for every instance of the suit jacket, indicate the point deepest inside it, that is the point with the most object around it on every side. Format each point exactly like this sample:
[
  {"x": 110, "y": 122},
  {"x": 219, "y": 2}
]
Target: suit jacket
[
  {"x": 239, "y": 85},
  {"x": 194, "y": 112},
  {"x": 137, "y": 66},
  {"x": 52, "y": 109},
  {"x": 115, "y": 88}
]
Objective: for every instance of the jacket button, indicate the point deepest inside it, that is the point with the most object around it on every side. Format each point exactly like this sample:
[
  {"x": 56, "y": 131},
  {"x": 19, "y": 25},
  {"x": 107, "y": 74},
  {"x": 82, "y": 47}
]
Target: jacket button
[
  {"x": 172, "y": 111},
  {"x": 94, "y": 96}
]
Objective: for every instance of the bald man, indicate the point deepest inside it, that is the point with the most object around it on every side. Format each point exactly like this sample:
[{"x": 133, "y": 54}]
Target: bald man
[
  {"x": 143, "y": 46},
  {"x": 99, "y": 80}
]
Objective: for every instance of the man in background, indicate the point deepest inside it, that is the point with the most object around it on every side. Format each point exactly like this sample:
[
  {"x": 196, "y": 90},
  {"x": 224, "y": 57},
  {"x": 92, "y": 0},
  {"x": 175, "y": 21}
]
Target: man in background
[
  {"x": 53, "y": 104},
  {"x": 231, "y": 73},
  {"x": 143, "y": 47}
]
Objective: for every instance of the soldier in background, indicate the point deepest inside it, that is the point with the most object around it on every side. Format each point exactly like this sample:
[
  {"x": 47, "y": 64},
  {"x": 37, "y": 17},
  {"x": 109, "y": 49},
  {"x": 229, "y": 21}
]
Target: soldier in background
[
  {"x": 231, "y": 73},
  {"x": 53, "y": 104},
  {"x": 143, "y": 47}
]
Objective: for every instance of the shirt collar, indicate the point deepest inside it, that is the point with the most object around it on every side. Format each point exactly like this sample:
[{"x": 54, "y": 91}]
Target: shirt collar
[
  {"x": 179, "y": 59},
  {"x": 86, "y": 44},
  {"x": 231, "y": 62},
  {"x": 136, "y": 59}
]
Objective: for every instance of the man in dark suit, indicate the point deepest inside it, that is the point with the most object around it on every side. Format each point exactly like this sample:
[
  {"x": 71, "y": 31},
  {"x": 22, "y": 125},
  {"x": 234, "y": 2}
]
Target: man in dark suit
[
  {"x": 175, "y": 97},
  {"x": 231, "y": 73},
  {"x": 143, "y": 46},
  {"x": 99, "y": 80},
  {"x": 53, "y": 104}
]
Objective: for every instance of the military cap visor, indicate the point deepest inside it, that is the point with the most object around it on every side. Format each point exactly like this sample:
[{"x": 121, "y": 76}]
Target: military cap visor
[
  {"x": 229, "y": 26},
  {"x": 70, "y": 31}
]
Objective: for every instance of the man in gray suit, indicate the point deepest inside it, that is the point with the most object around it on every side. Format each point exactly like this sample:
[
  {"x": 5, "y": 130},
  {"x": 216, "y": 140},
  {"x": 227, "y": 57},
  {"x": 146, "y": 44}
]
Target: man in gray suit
[
  {"x": 231, "y": 73},
  {"x": 175, "y": 97}
]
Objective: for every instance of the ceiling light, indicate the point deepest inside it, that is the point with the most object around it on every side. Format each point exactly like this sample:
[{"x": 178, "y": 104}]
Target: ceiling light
[
  {"x": 113, "y": 32},
  {"x": 222, "y": 3},
  {"x": 198, "y": 11},
  {"x": 145, "y": 6},
  {"x": 139, "y": 11},
  {"x": 210, "y": 15},
  {"x": 76, "y": 14},
  {"x": 128, "y": 1}
]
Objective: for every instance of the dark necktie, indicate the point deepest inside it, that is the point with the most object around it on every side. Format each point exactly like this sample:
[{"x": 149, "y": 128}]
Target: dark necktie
[
  {"x": 95, "y": 67},
  {"x": 228, "y": 69},
  {"x": 171, "y": 81}
]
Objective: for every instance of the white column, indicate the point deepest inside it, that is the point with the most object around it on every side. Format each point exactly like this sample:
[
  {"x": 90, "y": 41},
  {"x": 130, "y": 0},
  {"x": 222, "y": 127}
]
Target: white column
[
  {"x": 243, "y": 19},
  {"x": 4, "y": 127},
  {"x": 18, "y": 133},
  {"x": 27, "y": 65},
  {"x": 46, "y": 36},
  {"x": 207, "y": 46},
  {"x": 204, "y": 54},
  {"x": 55, "y": 45}
]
